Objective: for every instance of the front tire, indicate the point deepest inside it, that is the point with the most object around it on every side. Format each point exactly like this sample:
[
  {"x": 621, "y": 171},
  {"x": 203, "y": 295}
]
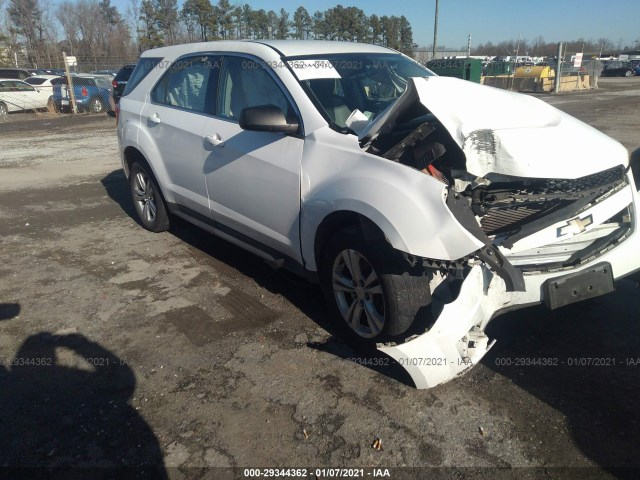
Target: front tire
[
  {"x": 147, "y": 199},
  {"x": 3, "y": 109},
  {"x": 371, "y": 290}
]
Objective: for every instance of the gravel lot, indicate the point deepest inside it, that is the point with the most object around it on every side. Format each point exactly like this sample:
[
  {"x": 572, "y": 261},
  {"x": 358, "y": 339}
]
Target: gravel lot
[{"x": 178, "y": 350}]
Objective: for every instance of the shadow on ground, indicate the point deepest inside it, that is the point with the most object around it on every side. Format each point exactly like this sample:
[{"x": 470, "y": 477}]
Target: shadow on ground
[
  {"x": 9, "y": 310},
  {"x": 303, "y": 295},
  {"x": 592, "y": 376},
  {"x": 64, "y": 403}
]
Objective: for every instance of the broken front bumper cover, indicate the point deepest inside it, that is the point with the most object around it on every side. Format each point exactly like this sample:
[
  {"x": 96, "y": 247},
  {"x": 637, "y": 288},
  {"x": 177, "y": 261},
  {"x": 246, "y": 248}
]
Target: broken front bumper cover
[{"x": 456, "y": 342}]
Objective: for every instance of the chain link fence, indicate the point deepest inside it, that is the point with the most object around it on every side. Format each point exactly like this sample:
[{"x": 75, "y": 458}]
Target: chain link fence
[
  {"x": 579, "y": 70},
  {"x": 574, "y": 71}
]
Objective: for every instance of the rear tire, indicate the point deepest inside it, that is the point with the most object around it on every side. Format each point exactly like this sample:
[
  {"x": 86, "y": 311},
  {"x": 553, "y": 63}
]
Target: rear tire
[
  {"x": 147, "y": 199},
  {"x": 96, "y": 106},
  {"x": 3, "y": 109},
  {"x": 372, "y": 292}
]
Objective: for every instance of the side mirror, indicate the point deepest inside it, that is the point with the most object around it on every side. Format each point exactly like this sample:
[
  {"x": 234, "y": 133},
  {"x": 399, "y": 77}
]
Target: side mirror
[{"x": 266, "y": 118}]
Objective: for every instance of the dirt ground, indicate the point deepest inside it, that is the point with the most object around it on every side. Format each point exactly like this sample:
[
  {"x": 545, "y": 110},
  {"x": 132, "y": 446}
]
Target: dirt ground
[{"x": 180, "y": 352}]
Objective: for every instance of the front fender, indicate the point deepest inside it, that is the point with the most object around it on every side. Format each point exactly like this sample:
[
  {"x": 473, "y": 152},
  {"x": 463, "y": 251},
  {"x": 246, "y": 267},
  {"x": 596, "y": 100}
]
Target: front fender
[{"x": 407, "y": 205}]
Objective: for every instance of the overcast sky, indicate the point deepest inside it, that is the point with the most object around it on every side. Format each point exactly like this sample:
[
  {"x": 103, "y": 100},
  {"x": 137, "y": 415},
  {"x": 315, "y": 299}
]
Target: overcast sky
[{"x": 490, "y": 20}]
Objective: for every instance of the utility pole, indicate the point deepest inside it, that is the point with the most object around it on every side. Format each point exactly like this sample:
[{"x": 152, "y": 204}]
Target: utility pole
[
  {"x": 435, "y": 33},
  {"x": 558, "y": 79},
  {"x": 72, "y": 95},
  {"x": 469, "y": 46}
]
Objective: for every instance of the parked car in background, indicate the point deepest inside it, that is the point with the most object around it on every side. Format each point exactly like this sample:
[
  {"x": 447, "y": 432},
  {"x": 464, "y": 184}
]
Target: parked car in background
[
  {"x": 617, "y": 68},
  {"x": 14, "y": 73},
  {"x": 17, "y": 96},
  {"x": 120, "y": 81},
  {"x": 44, "y": 82},
  {"x": 92, "y": 93},
  {"x": 111, "y": 73},
  {"x": 415, "y": 201},
  {"x": 39, "y": 71}
]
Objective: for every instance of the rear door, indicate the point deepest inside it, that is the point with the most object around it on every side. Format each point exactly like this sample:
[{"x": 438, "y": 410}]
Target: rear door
[{"x": 175, "y": 116}]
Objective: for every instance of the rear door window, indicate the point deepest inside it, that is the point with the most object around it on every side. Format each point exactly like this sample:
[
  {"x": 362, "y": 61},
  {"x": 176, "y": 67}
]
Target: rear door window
[
  {"x": 186, "y": 84},
  {"x": 23, "y": 87}
]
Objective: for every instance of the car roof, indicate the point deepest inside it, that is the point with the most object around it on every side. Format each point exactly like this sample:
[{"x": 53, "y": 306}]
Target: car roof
[
  {"x": 47, "y": 77},
  {"x": 292, "y": 48},
  {"x": 287, "y": 48},
  {"x": 91, "y": 75},
  {"x": 11, "y": 80}
]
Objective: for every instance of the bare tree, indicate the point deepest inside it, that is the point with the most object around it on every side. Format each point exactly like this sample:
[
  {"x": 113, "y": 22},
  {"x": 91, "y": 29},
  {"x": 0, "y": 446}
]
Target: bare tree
[
  {"x": 132, "y": 17},
  {"x": 26, "y": 19}
]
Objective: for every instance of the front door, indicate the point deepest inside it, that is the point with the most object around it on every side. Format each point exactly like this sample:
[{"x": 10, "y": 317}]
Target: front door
[{"x": 253, "y": 178}]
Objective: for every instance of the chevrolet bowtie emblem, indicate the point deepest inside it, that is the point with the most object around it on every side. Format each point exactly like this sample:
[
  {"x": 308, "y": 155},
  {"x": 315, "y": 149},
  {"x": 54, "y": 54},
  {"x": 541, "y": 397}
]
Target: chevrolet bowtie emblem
[{"x": 575, "y": 226}]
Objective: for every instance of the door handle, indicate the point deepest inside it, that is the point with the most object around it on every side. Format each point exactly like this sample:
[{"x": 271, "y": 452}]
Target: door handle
[
  {"x": 155, "y": 118},
  {"x": 215, "y": 140}
]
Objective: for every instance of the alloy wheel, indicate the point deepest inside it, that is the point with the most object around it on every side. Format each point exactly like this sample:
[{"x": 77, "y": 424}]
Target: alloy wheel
[
  {"x": 96, "y": 106},
  {"x": 144, "y": 197},
  {"x": 358, "y": 293}
]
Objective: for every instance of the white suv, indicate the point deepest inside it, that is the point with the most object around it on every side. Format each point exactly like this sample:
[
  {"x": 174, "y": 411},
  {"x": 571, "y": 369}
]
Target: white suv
[{"x": 414, "y": 200}]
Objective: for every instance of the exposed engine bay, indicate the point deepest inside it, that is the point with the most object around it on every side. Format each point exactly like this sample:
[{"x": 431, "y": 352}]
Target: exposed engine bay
[
  {"x": 552, "y": 221},
  {"x": 501, "y": 209}
]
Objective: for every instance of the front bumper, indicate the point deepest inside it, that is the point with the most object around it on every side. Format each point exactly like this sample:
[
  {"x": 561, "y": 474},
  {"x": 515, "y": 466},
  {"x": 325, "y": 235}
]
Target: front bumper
[{"x": 456, "y": 342}]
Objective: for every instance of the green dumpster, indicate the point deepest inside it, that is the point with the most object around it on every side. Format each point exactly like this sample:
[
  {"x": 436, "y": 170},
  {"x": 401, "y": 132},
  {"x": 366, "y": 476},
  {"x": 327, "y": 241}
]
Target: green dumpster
[
  {"x": 499, "y": 68},
  {"x": 465, "y": 68}
]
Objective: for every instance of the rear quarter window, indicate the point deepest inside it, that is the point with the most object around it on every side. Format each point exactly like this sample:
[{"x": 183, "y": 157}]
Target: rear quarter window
[
  {"x": 142, "y": 69},
  {"x": 103, "y": 83},
  {"x": 35, "y": 81}
]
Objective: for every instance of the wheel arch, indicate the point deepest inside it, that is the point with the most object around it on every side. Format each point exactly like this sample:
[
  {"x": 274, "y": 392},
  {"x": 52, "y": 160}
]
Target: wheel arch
[
  {"x": 137, "y": 145},
  {"x": 372, "y": 224},
  {"x": 132, "y": 155},
  {"x": 339, "y": 220},
  {"x": 413, "y": 218}
]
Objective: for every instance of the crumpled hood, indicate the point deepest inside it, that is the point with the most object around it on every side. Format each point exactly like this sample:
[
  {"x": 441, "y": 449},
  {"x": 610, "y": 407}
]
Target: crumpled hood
[{"x": 505, "y": 132}]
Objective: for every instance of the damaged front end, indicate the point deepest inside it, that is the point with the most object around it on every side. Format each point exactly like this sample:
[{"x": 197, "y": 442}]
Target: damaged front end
[{"x": 551, "y": 224}]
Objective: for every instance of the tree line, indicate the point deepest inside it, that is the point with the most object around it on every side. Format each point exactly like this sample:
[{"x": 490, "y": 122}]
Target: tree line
[{"x": 38, "y": 31}]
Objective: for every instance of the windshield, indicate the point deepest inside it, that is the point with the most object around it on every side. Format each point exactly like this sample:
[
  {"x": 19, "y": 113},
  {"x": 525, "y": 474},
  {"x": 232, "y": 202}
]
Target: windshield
[{"x": 340, "y": 84}]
